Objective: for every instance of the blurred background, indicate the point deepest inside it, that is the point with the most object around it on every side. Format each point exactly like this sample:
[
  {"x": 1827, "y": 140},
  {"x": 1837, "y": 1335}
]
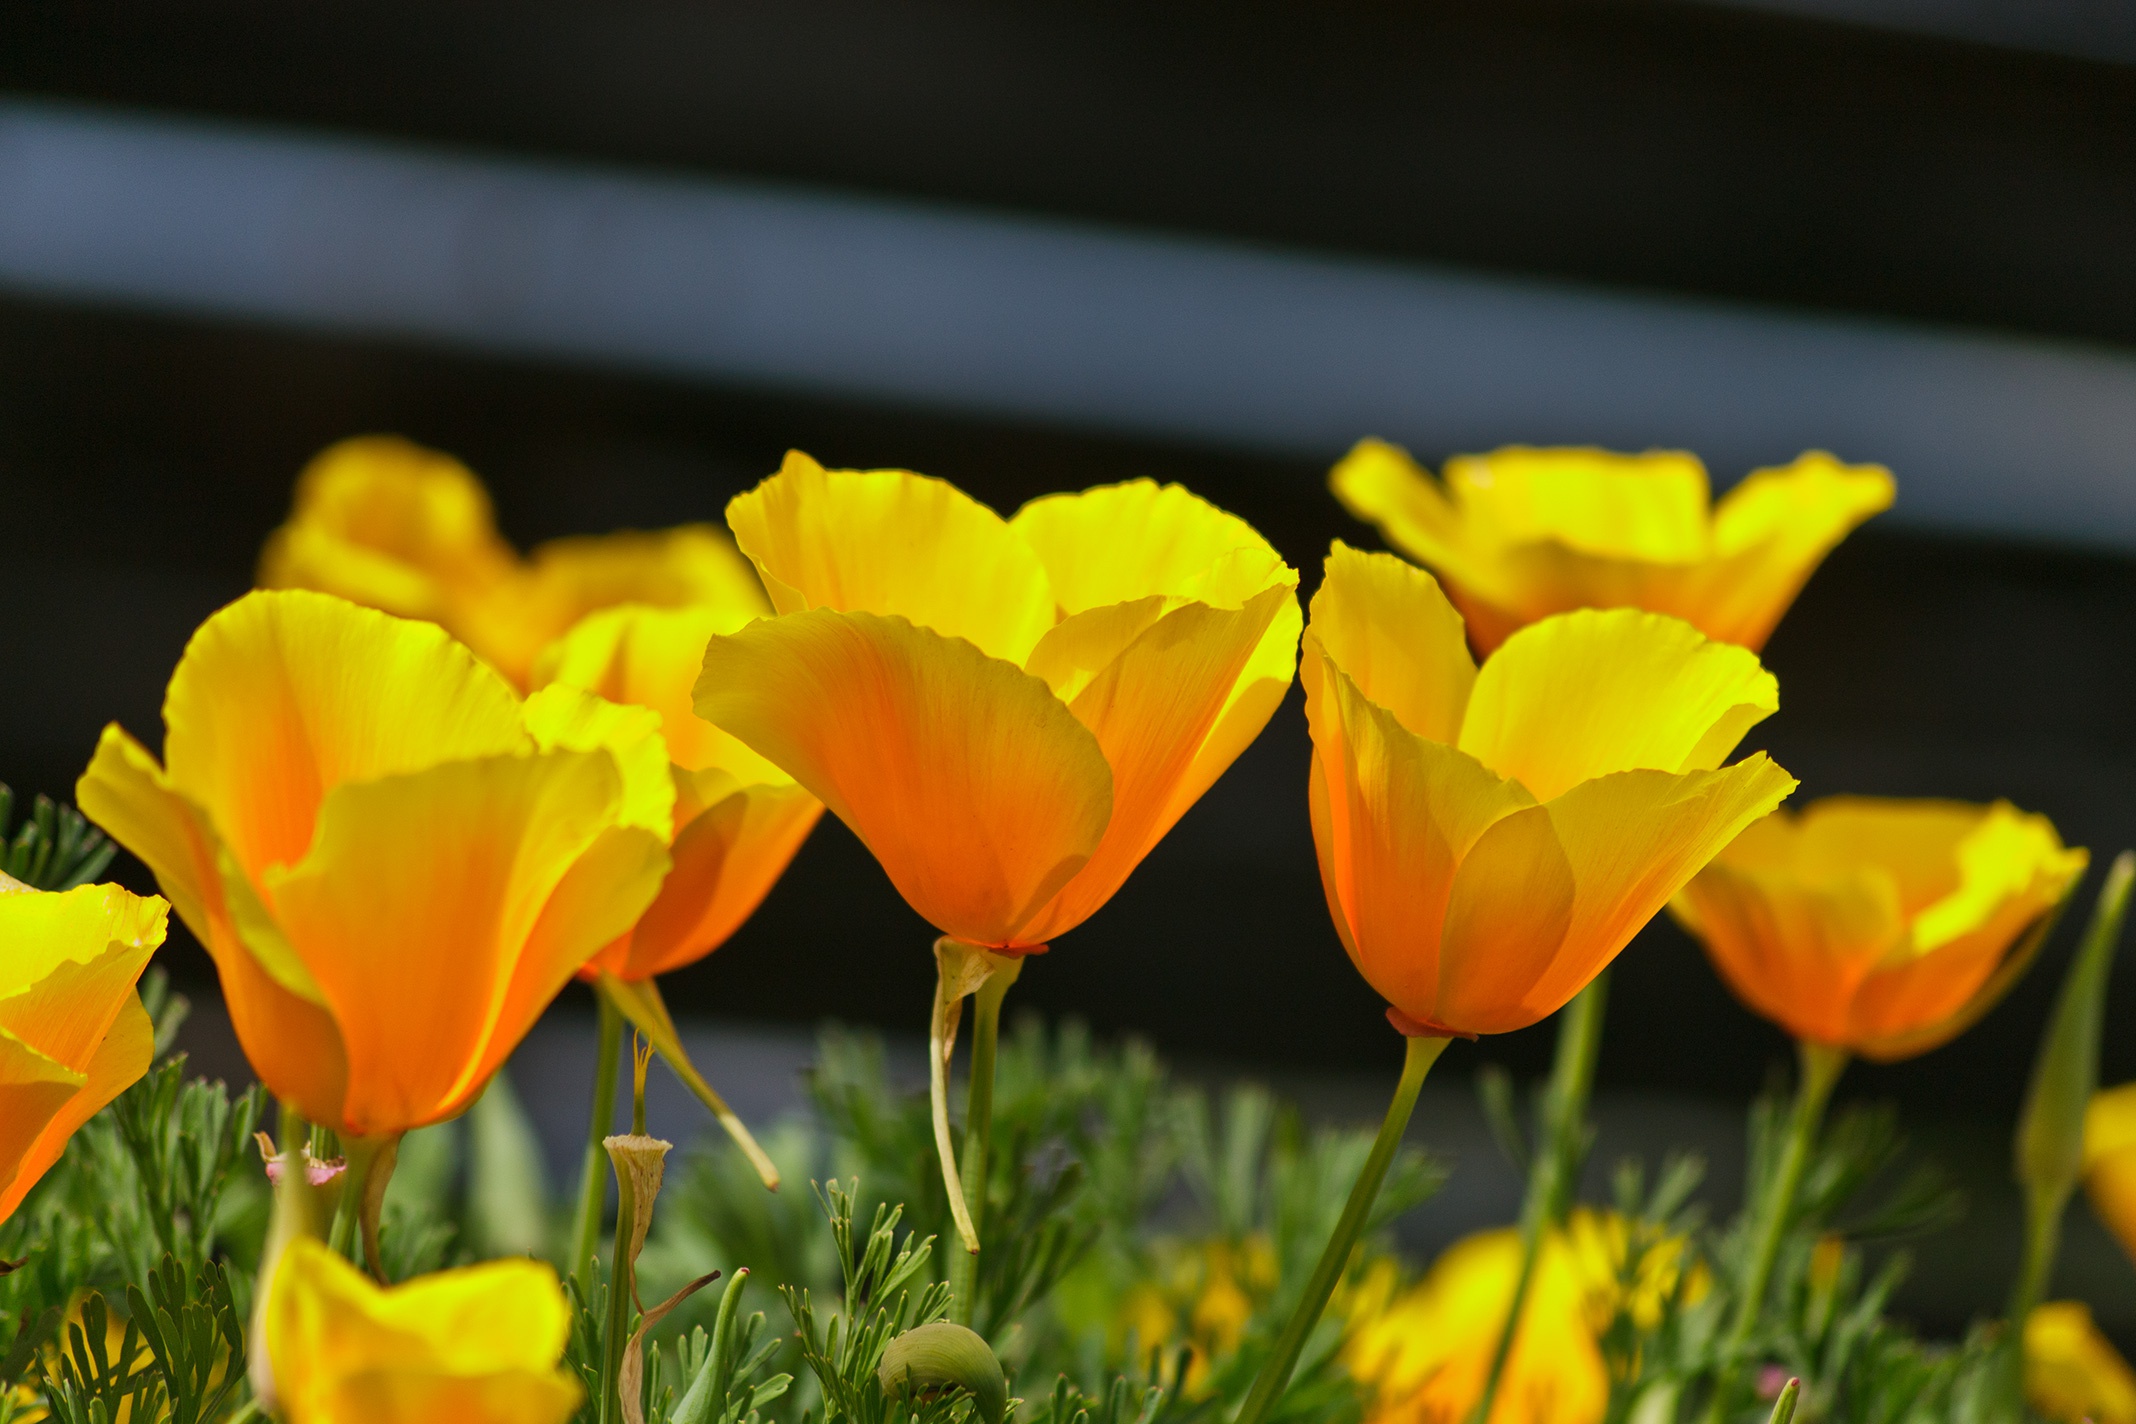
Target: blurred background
[{"x": 619, "y": 258}]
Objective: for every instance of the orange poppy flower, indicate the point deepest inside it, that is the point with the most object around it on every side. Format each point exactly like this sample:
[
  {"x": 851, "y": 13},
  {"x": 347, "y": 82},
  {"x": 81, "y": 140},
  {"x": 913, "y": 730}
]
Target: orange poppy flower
[
  {"x": 1883, "y": 927},
  {"x": 391, "y": 525},
  {"x": 394, "y": 860},
  {"x": 1491, "y": 837},
  {"x": 73, "y": 1034},
  {"x": 738, "y": 818},
  {"x": 2110, "y": 1161},
  {"x": 1520, "y": 534},
  {"x": 1009, "y": 713}
]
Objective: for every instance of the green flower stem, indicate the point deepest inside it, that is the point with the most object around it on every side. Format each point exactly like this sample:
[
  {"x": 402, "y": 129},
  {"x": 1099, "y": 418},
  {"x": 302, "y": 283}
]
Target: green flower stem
[
  {"x": 1821, "y": 1066},
  {"x": 621, "y": 1288},
  {"x": 593, "y": 1175},
  {"x": 1551, "y": 1176},
  {"x": 1276, "y": 1370},
  {"x": 362, "y": 1155},
  {"x": 978, "y": 1132}
]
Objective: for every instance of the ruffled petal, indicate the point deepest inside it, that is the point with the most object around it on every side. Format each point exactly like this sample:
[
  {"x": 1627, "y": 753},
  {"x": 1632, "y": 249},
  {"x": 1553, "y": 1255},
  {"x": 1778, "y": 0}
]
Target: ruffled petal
[
  {"x": 1118, "y": 543},
  {"x": 1651, "y": 507},
  {"x": 1772, "y": 531},
  {"x": 1590, "y": 693},
  {"x": 282, "y": 696},
  {"x": 727, "y": 857},
  {"x": 1387, "y": 626},
  {"x": 290, "y": 1040},
  {"x": 651, "y": 657},
  {"x": 1384, "y": 486},
  {"x": 1634, "y": 839},
  {"x": 1795, "y": 952},
  {"x": 895, "y": 543},
  {"x": 115, "y": 1064},
  {"x": 418, "y": 909},
  {"x": 976, "y": 788},
  {"x": 1152, "y": 709},
  {"x": 1394, "y": 815},
  {"x": 562, "y": 717}
]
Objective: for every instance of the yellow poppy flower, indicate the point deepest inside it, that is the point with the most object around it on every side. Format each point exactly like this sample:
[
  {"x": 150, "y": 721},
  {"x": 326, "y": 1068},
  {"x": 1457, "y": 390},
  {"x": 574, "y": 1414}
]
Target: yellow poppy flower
[
  {"x": 389, "y": 524},
  {"x": 395, "y": 862},
  {"x": 1009, "y": 713},
  {"x": 2072, "y": 1372},
  {"x": 479, "y": 1345},
  {"x": 738, "y": 818},
  {"x": 1885, "y": 927},
  {"x": 1490, "y": 838},
  {"x": 1426, "y": 1354},
  {"x": 1628, "y": 1270},
  {"x": 73, "y": 1034},
  {"x": 2110, "y": 1161},
  {"x": 1520, "y": 534}
]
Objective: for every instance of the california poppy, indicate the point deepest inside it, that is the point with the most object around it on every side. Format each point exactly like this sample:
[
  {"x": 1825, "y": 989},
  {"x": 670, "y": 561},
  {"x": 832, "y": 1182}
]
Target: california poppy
[
  {"x": 1520, "y": 534},
  {"x": 1884, "y": 927},
  {"x": 73, "y": 1034},
  {"x": 386, "y": 523}
]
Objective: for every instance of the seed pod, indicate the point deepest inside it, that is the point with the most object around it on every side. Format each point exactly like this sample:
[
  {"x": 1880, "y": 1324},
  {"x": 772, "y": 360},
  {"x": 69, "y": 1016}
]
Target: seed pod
[{"x": 929, "y": 1359}]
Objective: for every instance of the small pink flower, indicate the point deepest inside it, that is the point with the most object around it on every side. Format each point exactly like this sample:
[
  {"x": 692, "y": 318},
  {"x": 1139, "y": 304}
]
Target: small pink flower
[
  {"x": 317, "y": 1172},
  {"x": 1771, "y": 1380}
]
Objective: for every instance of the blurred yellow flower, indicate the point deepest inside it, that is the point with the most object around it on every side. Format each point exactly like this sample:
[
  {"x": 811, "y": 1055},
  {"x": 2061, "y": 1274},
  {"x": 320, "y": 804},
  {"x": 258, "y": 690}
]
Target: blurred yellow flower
[
  {"x": 386, "y": 523},
  {"x": 1484, "y": 854},
  {"x": 1628, "y": 1269},
  {"x": 1425, "y": 1354},
  {"x": 738, "y": 818},
  {"x": 73, "y": 1034},
  {"x": 395, "y": 862},
  {"x": 1883, "y": 927},
  {"x": 1214, "y": 1287},
  {"x": 480, "y": 1345},
  {"x": 2110, "y": 1161},
  {"x": 1009, "y": 713},
  {"x": 2072, "y": 1372},
  {"x": 1519, "y": 534}
]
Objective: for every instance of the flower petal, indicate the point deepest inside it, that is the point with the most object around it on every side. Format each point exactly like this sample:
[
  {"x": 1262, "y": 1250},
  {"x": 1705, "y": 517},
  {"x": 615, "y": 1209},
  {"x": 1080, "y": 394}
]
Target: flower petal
[
  {"x": 1384, "y": 486},
  {"x": 1152, "y": 709},
  {"x": 1773, "y": 530},
  {"x": 1507, "y": 919},
  {"x": 651, "y": 657},
  {"x": 1118, "y": 543},
  {"x": 289, "y": 1039},
  {"x": 388, "y": 524},
  {"x": 895, "y": 543},
  {"x": 1634, "y": 839},
  {"x": 282, "y": 696},
  {"x": 1651, "y": 507},
  {"x": 1386, "y": 624},
  {"x": 974, "y": 786},
  {"x": 560, "y": 716},
  {"x": 1589, "y": 693},
  {"x": 418, "y": 909},
  {"x": 1394, "y": 815},
  {"x": 1795, "y": 951},
  {"x": 727, "y": 857},
  {"x": 115, "y": 1064},
  {"x": 34, "y": 1091}
]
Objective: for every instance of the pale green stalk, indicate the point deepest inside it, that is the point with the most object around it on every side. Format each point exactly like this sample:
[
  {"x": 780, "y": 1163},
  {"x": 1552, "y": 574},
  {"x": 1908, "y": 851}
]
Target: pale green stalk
[
  {"x": 1276, "y": 1370},
  {"x": 593, "y": 1175},
  {"x": 978, "y": 1133}
]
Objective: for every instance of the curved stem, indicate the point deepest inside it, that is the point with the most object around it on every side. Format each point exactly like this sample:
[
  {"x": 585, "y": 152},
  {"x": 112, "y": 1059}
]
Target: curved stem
[
  {"x": 621, "y": 1287},
  {"x": 979, "y": 1131},
  {"x": 361, "y": 1154},
  {"x": 1821, "y": 1067},
  {"x": 1276, "y": 1370},
  {"x": 593, "y": 1175},
  {"x": 1552, "y": 1174}
]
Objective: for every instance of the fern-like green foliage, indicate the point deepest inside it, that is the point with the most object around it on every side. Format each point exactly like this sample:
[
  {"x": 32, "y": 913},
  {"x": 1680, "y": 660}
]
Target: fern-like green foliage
[{"x": 54, "y": 848}]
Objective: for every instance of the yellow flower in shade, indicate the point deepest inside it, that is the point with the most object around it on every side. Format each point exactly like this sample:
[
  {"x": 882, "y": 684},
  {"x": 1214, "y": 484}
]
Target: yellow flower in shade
[
  {"x": 1490, "y": 838},
  {"x": 2072, "y": 1372},
  {"x": 1882, "y": 927},
  {"x": 1009, "y": 713},
  {"x": 394, "y": 860},
  {"x": 391, "y": 525},
  {"x": 2110, "y": 1161},
  {"x": 1520, "y": 534},
  {"x": 73, "y": 1034},
  {"x": 1425, "y": 1354},
  {"x": 738, "y": 818},
  {"x": 1628, "y": 1269},
  {"x": 479, "y": 1345}
]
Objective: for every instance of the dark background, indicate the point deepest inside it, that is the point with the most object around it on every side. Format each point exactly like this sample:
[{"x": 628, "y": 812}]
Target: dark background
[{"x": 1666, "y": 148}]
